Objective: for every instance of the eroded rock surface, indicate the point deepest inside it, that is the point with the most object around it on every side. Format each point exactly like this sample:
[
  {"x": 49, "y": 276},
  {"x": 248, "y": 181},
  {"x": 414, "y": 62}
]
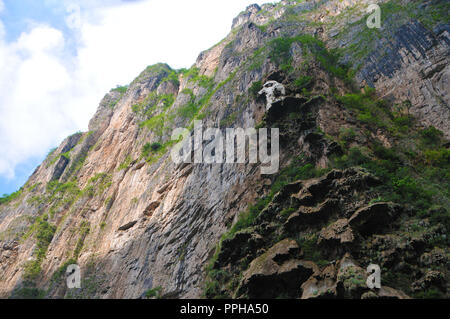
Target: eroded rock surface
[{"x": 113, "y": 201}]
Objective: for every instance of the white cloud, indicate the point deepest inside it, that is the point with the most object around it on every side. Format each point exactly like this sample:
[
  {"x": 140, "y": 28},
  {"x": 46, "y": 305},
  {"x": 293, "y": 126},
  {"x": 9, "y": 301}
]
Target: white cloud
[
  {"x": 48, "y": 92},
  {"x": 32, "y": 78},
  {"x": 2, "y": 5}
]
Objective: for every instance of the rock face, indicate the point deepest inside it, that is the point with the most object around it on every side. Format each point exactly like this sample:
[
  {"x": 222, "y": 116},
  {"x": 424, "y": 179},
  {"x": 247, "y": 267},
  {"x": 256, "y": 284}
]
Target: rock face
[
  {"x": 319, "y": 263},
  {"x": 407, "y": 61},
  {"x": 415, "y": 68},
  {"x": 112, "y": 200}
]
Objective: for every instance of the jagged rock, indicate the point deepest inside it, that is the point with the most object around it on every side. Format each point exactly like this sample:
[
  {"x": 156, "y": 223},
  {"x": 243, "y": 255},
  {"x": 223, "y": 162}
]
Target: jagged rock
[
  {"x": 432, "y": 278},
  {"x": 369, "y": 295},
  {"x": 171, "y": 248},
  {"x": 322, "y": 285},
  {"x": 274, "y": 269},
  {"x": 285, "y": 105},
  {"x": 384, "y": 293},
  {"x": 309, "y": 215},
  {"x": 151, "y": 208},
  {"x": 62, "y": 162},
  {"x": 101, "y": 119},
  {"x": 436, "y": 257},
  {"x": 127, "y": 226},
  {"x": 139, "y": 165},
  {"x": 367, "y": 220},
  {"x": 185, "y": 172},
  {"x": 164, "y": 188},
  {"x": 391, "y": 293},
  {"x": 246, "y": 16},
  {"x": 243, "y": 243},
  {"x": 315, "y": 146},
  {"x": 419, "y": 57},
  {"x": 351, "y": 279},
  {"x": 337, "y": 233}
]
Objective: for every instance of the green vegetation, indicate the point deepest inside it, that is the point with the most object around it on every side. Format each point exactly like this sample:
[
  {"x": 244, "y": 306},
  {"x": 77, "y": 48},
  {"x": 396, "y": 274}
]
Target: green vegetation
[
  {"x": 346, "y": 135},
  {"x": 154, "y": 293},
  {"x": 205, "y": 100},
  {"x": 97, "y": 184},
  {"x": 303, "y": 82},
  {"x": 369, "y": 110},
  {"x": 156, "y": 124},
  {"x": 65, "y": 192},
  {"x": 153, "y": 111},
  {"x": 311, "y": 250},
  {"x": 432, "y": 293},
  {"x": 5, "y": 199},
  {"x": 172, "y": 77},
  {"x": 147, "y": 107},
  {"x": 155, "y": 146},
  {"x": 280, "y": 54},
  {"x": 229, "y": 120},
  {"x": 50, "y": 153},
  {"x": 43, "y": 233},
  {"x": 59, "y": 195},
  {"x": 152, "y": 148},
  {"x": 394, "y": 14},
  {"x": 58, "y": 274},
  {"x": 431, "y": 137},
  {"x": 154, "y": 151},
  {"x": 77, "y": 164},
  {"x": 28, "y": 293},
  {"x": 191, "y": 108},
  {"x": 414, "y": 171},
  {"x": 429, "y": 15},
  {"x": 278, "y": 50},
  {"x": 83, "y": 232},
  {"x": 126, "y": 163},
  {"x": 257, "y": 59},
  {"x": 298, "y": 169},
  {"x": 159, "y": 69},
  {"x": 120, "y": 89},
  {"x": 255, "y": 88},
  {"x": 204, "y": 81}
]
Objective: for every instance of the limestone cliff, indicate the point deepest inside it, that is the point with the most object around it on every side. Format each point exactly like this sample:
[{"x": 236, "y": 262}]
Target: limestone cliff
[{"x": 364, "y": 128}]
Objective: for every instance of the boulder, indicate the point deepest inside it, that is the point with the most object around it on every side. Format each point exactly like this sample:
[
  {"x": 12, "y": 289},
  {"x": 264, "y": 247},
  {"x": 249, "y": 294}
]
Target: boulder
[
  {"x": 310, "y": 215},
  {"x": 278, "y": 269},
  {"x": 370, "y": 219},
  {"x": 243, "y": 243},
  {"x": 351, "y": 279},
  {"x": 337, "y": 233},
  {"x": 322, "y": 285},
  {"x": 432, "y": 278}
]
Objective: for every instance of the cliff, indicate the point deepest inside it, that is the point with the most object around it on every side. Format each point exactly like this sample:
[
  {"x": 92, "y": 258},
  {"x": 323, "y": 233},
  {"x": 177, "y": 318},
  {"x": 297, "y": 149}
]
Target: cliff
[{"x": 364, "y": 159}]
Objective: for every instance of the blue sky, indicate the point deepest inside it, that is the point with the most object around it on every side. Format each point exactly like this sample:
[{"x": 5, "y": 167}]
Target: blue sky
[
  {"x": 18, "y": 13},
  {"x": 58, "y": 58}
]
